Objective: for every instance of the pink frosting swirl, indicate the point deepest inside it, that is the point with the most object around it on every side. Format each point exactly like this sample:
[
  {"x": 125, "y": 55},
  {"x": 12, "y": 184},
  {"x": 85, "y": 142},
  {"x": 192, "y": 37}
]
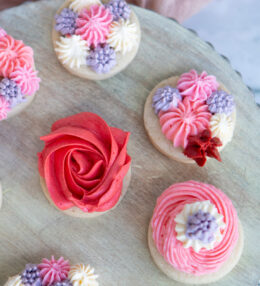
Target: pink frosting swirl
[
  {"x": 2, "y": 33},
  {"x": 197, "y": 87},
  {"x": 26, "y": 78},
  {"x": 13, "y": 53},
  {"x": 171, "y": 203},
  {"x": 4, "y": 107},
  {"x": 93, "y": 24},
  {"x": 189, "y": 118}
]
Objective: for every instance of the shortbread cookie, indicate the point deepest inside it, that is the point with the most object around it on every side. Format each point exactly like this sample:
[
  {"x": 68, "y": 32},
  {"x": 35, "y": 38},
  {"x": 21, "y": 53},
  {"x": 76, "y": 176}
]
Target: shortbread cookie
[
  {"x": 84, "y": 167},
  {"x": 18, "y": 77},
  {"x": 195, "y": 236},
  {"x": 52, "y": 272},
  {"x": 96, "y": 40},
  {"x": 190, "y": 118}
]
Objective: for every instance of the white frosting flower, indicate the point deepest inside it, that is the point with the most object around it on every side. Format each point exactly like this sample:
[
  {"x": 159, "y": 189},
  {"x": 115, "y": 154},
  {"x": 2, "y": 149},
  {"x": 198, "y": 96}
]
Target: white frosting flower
[
  {"x": 181, "y": 225},
  {"x": 82, "y": 275},
  {"x": 78, "y": 5},
  {"x": 72, "y": 51},
  {"x": 122, "y": 36},
  {"x": 14, "y": 281},
  {"x": 222, "y": 126}
]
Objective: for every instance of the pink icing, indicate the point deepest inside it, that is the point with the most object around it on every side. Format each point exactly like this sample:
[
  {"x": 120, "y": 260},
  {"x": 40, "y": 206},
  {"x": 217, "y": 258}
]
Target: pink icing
[
  {"x": 52, "y": 270},
  {"x": 26, "y": 78},
  {"x": 13, "y": 53},
  {"x": 171, "y": 203},
  {"x": 93, "y": 24},
  {"x": 189, "y": 118},
  {"x": 197, "y": 87},
  {"x": 2, "y": 33},
  {"x": 4, "y": 108}
]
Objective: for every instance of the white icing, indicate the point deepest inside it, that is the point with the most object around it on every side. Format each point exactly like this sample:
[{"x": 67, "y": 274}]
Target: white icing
[
  {"x": 181, "y": 222},
  {"x": 78, "y": 5},
  {"x": 222, "y": 126},
  {"x": 14, "y": 281},
  {"x": 72, "y": 51},
  {"x": 122, "y": 36},
  {"x": 82, "y": 275}
]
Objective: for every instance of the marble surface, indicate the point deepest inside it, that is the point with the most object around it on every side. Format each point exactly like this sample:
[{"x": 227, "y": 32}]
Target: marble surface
[{"x": 233, "y": 27}]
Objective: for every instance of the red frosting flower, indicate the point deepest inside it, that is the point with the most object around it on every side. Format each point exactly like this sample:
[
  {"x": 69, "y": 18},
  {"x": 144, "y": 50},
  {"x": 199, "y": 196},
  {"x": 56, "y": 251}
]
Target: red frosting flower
[
  {"x": 84, "y": 163},
  {"x": 203, "y": 145}
]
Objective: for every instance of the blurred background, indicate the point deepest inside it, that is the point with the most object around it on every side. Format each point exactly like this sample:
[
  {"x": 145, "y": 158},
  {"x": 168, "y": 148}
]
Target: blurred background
[{"x": 232, "y": 26}]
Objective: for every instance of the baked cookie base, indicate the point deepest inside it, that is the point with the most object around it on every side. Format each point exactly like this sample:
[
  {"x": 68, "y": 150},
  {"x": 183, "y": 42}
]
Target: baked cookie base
[
  {"x": 122, "y": 60},
  {"x": 75, "y": 211},
  {"x": 187, "y": 278},
  {"x": 153, "y": 127}
]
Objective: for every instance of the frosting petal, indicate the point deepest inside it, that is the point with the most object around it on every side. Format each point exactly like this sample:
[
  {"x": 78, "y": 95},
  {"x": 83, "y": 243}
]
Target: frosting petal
[
  {"x": 4, "y": 108},
  {"x": 72, "y": 51},
  {"x": 78, "y": 5},
  {"x": 81, "y": 274},
  {"x": 122, "y": 36},
  {"x": 2, "y": 33}
]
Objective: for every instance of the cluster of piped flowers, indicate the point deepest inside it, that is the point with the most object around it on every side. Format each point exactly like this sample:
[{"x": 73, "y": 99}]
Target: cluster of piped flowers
[
  {"x": 196, "y": 116},
  {"x": 92, "y": 34},
  {"x": 18, "y": 78},
  {"x": 52, "y": 272}
]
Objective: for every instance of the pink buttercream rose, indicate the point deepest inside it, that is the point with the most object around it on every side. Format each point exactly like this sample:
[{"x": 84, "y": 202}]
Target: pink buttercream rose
[{"x": 197, "y": 87}]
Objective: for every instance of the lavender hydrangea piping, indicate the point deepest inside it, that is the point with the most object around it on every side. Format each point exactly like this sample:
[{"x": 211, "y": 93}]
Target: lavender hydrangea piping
[
  {"x": 221, "y": 102},
  {"x": 63, "y": 283},
  {"x": 66, "y": 22},
  {"x": 201, "y": 226},
  {"x": 11, "y": 91},
  {"x": 102, "y": 59},
  {"x": 166, "y": 97},
  {"x": 31, "y": 276},
  {"x": 119, "y": 9}
]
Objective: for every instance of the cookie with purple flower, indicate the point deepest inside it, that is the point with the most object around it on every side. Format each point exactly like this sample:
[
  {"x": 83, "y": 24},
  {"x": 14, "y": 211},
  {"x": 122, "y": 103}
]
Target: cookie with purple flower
[{"x": 96, "y": 40}]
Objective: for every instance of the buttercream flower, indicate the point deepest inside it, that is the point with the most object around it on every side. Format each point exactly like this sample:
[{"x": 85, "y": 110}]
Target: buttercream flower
[
  {"x": 221, "y": 102},
  {"x": 14, "y": 281},
  {"x": 26, "y": 78},
  {"x": 13, "y": 53},
  {"x": 81, "y": 274},
  {"x": 66, "y": 22},
  {"x": 78, "y": 5},
  {"x": 52, "y": 270},
  {"x": 197, "y": 87},
  {"x": 4, "y": 108},
  {"x": 202, "y": 145},
  {"x": 84, "y": 162},
  {"x": 119, "y": 9},
  {"x": 2, "y": 33},
  {"x": 31, "y": 275},
  {"x": 189, "y": 118},
  {"x": 93, "y": 24},
  {"x": 122, "y": 36}
]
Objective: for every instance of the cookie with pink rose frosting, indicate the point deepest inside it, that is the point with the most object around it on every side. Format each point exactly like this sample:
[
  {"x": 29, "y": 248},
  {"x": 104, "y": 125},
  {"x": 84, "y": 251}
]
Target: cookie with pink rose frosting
[
  {"x": 190, "y": 117},
  {"x": 96, "y": 40},
  {"x": 54, "y": 272},
  {"x": 195, "y": 236},
  {"x": 18, "y": 78}
]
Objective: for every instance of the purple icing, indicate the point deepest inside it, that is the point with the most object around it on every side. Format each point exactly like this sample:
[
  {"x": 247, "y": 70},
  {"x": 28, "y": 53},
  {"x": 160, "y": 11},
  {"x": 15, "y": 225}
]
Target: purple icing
[
  {"x": 66, "y": 22},
  {"x": 63, "y": 283},
  {"x": 221, "y": 102},
  {"x": 102, "y": 59},
  {"x": 31, "y": 276},
  {"x": 11, "y": 91},
  {"x": 166, "y": 97},
  {"x": 119, "y": 9},
  {"x": 201, "y": 226}
]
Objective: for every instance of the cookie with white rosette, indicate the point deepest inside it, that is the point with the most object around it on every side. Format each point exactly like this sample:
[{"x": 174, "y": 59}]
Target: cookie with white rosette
[
  {"x": 195, "y": 235},
  {"x": 18, "y": 78},
  {"x": 52, "y": 272},
  {"x": 190, "y": 117},
  {"x": 96, "y": 40}
]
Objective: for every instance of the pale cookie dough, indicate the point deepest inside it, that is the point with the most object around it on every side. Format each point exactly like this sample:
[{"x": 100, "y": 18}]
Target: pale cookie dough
[
  {"x": 153, "y": 127},
  {"x": 76, "y": 212},
  {"x": 183, "y": 277},
  {"x": 122, "y": 60}
]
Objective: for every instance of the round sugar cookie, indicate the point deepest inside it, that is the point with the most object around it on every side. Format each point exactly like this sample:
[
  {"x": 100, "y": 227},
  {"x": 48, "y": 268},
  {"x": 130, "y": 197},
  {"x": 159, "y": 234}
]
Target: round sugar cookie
[
  {"x": 85, "y": 71},
  {"x": 154, "y": 130}
]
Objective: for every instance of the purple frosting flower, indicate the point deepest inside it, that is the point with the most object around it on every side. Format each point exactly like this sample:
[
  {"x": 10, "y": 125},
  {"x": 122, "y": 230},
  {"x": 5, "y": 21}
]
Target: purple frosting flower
[
  {"x": 221, "y": 102},
  {"x": 31, "y": 276},
  {"x": 11, "y": 91},
  {"x": 66, "y": 22},
  {"x": 201, "y": 226},
  {"x": 63, "y": 283},
  {"x": 102, "y": 59},
  {"x": 166, "y": 97},
  {"x": 119, "y": 9}
]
